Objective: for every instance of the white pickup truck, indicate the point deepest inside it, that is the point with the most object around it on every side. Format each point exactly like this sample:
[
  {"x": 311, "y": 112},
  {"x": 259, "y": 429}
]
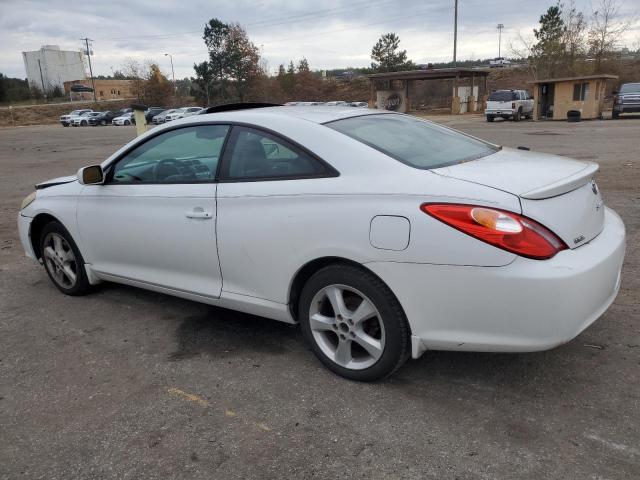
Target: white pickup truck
[{"x": 507, "y": 104}]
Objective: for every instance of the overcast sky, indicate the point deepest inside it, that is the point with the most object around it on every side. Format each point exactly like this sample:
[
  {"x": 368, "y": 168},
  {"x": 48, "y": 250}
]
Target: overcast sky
[{"x": 330, "y": 33}]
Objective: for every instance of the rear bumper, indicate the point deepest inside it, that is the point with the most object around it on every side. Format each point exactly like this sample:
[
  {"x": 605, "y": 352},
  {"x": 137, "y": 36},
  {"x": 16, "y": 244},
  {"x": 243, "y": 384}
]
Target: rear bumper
[
  {"x": 498, "y": 113},
  {"x": 525, "y": 306}
]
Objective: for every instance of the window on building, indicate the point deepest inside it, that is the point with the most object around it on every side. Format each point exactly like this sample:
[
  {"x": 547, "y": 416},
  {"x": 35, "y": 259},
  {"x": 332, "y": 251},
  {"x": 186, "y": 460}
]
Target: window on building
[
  {"x": 101, "y": 93},
  {"x": 580, "y": 91},
  {"x": 118, "y": 92}
]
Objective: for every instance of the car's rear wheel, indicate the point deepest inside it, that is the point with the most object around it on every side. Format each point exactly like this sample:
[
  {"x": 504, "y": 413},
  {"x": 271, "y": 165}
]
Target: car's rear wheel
[
  {"x": 490, "y": 118},
  {"x": 615, "y": 114},
  {"x": 127, "y": 122},
  {"x": 353, "y": 323},
  {"x": 517, "y": 116},
  {"x": 62, "y": 260},
  {"x": 83, "y": 123}
]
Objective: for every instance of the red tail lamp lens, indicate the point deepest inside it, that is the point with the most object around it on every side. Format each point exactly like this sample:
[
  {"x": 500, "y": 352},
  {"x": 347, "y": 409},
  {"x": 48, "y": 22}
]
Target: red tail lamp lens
[{"x": 506, "y": 230}]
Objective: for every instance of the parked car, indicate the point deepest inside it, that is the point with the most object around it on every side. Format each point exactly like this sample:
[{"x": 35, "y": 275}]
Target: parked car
[
  {"x": 66, "y": 120},
  {"x": 336, "y": 103},
  {"x": 125, "y": 119},
  {"x": 506, "y": 104},
  {"x": 182, "y": 113},
  {"x": 627, "y": 99},
  {"x": 381, "y": 234},
  {"x": 499, "y": 62},
  {"x": 160, "y": 118},
  {"x": 291, "y": 104},
  {"x": 104, "y": 118},
  {"x": 359, "y": 104},
  {"x": 152, "y": 112},
  {"x": 83, "y": 120}
]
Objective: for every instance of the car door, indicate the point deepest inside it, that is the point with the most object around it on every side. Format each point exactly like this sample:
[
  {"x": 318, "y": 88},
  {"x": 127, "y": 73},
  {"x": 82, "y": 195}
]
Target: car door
[
  {"x": 153, "y": 221},
  {"x": 265, "y": 211}
]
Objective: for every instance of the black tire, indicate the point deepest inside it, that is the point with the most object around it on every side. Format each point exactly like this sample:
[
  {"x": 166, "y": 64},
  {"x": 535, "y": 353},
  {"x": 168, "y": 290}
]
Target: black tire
[
  {"x": 396, "y": 349},
  {"x": 127, "y": 122},
  {"x": 615, "y": 114},
  {"x": 65, "y": 124},
  {"x": 517, "y": 116},
  {"x": 81, "y": 285},
  {"x": 490, "y": 118},
  {"x": 83, "y": 123}
]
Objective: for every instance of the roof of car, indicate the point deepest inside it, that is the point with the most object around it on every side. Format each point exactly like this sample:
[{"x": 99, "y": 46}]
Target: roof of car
[{"x": 316, "y": 114}]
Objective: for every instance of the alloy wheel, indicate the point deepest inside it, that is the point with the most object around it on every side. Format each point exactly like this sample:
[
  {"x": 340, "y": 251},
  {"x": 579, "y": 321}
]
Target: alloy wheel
[
  {"x": 60, "y": 260},
  {"x": 347, "y": 327}
]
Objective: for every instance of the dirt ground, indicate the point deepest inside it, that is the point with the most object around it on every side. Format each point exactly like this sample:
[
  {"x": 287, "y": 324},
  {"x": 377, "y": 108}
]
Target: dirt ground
[{"x": 131, "y": 384}]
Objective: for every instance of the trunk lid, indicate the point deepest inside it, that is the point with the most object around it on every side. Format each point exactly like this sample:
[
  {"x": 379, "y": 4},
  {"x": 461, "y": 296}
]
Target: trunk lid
[
  {"x": 495, "y": 105},
  {"x": 558, "y": 192}
]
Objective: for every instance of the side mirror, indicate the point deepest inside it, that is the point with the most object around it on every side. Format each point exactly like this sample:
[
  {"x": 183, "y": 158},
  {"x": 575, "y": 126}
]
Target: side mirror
[{"x": 92, "y": 175}]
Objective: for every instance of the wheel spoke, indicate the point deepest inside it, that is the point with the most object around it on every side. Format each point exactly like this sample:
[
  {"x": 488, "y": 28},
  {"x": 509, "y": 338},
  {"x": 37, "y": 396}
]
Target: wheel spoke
[
  {"x": 49, "y": 252},
  {"x": 334, "y": 294},
  {"x": 57, "y": 244},
  {"x": 69, "y": 273},
  {"x": 370, "y": 344},
  {"x": 320, "y": 322},
  {"x": 343, "y": 352},
  {"x": 68, "y": 256},
  {"x": 364, "y": 311}
]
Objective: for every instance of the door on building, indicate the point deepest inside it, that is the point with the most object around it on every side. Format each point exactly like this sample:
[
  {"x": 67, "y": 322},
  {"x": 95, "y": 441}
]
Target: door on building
[{"x": 546, "y": 101}]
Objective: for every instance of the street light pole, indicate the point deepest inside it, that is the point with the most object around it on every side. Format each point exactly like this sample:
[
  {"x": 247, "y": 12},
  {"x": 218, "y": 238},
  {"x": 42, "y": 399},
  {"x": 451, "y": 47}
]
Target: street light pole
[
  {"x": 173, "y": 75},
  {"x": 499, "y": 27},
  {"x": 455, "y": 31}
]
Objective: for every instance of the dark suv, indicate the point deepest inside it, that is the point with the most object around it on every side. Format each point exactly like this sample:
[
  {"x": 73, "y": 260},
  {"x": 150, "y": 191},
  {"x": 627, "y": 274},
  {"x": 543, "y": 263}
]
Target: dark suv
[
  {"x": 627, "y": 100},
  {"x": 103, "y": 119}
]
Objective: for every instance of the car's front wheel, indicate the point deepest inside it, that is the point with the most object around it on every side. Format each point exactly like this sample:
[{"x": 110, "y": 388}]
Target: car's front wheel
[
  {"x": 62, "y": 260},
  {"x": 353, "y": 323}
]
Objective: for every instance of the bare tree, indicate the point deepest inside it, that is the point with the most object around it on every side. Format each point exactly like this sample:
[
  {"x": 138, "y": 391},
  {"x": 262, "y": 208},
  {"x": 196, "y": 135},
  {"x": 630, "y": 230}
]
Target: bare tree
[
  {"x": 574, "y": 34},
  {"x": 605, "y": 30}
]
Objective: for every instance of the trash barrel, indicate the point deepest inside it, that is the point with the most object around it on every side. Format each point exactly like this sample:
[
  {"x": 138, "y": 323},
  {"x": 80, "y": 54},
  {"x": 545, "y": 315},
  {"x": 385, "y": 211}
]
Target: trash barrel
[{"x": 573, "y": 116}]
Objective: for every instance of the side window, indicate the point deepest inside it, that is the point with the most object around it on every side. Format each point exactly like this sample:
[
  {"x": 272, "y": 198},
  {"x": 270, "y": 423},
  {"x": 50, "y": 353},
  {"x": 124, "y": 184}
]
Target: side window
[
  {"x": 185, "y": 155},
  {"x": 254, "y": 154}
]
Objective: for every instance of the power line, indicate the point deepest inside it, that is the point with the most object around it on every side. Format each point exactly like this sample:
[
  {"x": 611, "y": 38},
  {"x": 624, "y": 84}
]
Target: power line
[{"x": 301, "y": 17}]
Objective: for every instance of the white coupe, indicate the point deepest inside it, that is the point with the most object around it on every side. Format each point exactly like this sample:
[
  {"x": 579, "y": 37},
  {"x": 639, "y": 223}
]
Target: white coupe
[{"x": 383, "y": 235}]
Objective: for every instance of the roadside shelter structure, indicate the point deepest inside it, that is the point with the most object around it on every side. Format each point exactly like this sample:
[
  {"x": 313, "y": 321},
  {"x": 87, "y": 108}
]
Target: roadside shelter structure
[
  {"x": 390, "y": 90},
  {"x": 554, "y": 97}
]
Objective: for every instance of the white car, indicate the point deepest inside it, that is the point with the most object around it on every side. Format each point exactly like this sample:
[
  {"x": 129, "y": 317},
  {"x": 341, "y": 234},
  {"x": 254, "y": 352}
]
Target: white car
[
  {"x": 83, "y": 120},
  {"x": 182, "y": 113},
  {"x": 499, "y": 62},
  {"x": 337, "y": 103},
  {"x": 122, "y": 119},
  {"x": 382, "y": 234},
  {"x": 515, "y": 104},
  {"x": 66, "y": 120}
]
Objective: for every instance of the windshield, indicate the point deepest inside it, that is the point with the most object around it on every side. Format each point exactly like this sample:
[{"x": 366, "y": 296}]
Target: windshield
[
  {"x": 416, "y": 142},
  {"x": 630, "y": 88},
  {"x": 502, "y": 96}
]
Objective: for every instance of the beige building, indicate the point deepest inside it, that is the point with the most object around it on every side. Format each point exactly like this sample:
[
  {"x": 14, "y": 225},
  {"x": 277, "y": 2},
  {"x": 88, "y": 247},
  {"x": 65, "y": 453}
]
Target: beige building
[
  {"x": 105, "y": 89},
  {"x": 555, "y": 97}
]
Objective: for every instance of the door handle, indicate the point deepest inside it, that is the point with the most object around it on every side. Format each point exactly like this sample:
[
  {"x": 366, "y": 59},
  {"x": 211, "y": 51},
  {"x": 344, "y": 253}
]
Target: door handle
[{"x": 199, "y": 212}]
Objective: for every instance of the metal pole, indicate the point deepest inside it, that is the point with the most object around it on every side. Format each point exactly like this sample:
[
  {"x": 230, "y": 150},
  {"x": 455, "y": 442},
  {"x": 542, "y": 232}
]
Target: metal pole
[
  {"x": 44, "y": 92},
  {"x": 173, "y": 75},
  {"x": 455, "y": 32},
  {"x": 93, "y": 83},
  {"x": 500, "y": 27}
]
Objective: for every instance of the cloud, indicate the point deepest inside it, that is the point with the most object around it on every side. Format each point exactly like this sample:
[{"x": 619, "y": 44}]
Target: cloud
[{"x": 334, "y": 33}]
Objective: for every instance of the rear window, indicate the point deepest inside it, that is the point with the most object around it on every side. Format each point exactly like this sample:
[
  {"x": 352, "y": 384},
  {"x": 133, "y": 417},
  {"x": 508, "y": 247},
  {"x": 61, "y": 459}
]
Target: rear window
[
  {"x": 416, "y": 142},
  {"x": 503, "y": 96}
]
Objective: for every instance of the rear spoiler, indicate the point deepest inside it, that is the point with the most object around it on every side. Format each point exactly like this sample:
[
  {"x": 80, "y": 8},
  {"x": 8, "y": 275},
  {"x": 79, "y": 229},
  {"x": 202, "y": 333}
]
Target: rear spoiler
[{"x": 564, "y": 185}]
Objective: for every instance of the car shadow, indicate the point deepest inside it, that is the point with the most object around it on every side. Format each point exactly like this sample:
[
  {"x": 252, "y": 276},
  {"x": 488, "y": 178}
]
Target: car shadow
[{"x": 220, "y": 333}]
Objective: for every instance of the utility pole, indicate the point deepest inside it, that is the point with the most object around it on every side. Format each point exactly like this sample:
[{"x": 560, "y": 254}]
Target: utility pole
[
  {"x": 455, "y": 32},
  {"x": 499, "y": 27},
  {"x": 44, "y": 92},
  {"x": 173, "y": 75},
  {"x": 93, "y": 83}
]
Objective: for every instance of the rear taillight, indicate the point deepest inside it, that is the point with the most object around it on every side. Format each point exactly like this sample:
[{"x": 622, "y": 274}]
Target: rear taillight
[
  {"x": 506, "y": 230},
  {"x": 513, "y": 105}
]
